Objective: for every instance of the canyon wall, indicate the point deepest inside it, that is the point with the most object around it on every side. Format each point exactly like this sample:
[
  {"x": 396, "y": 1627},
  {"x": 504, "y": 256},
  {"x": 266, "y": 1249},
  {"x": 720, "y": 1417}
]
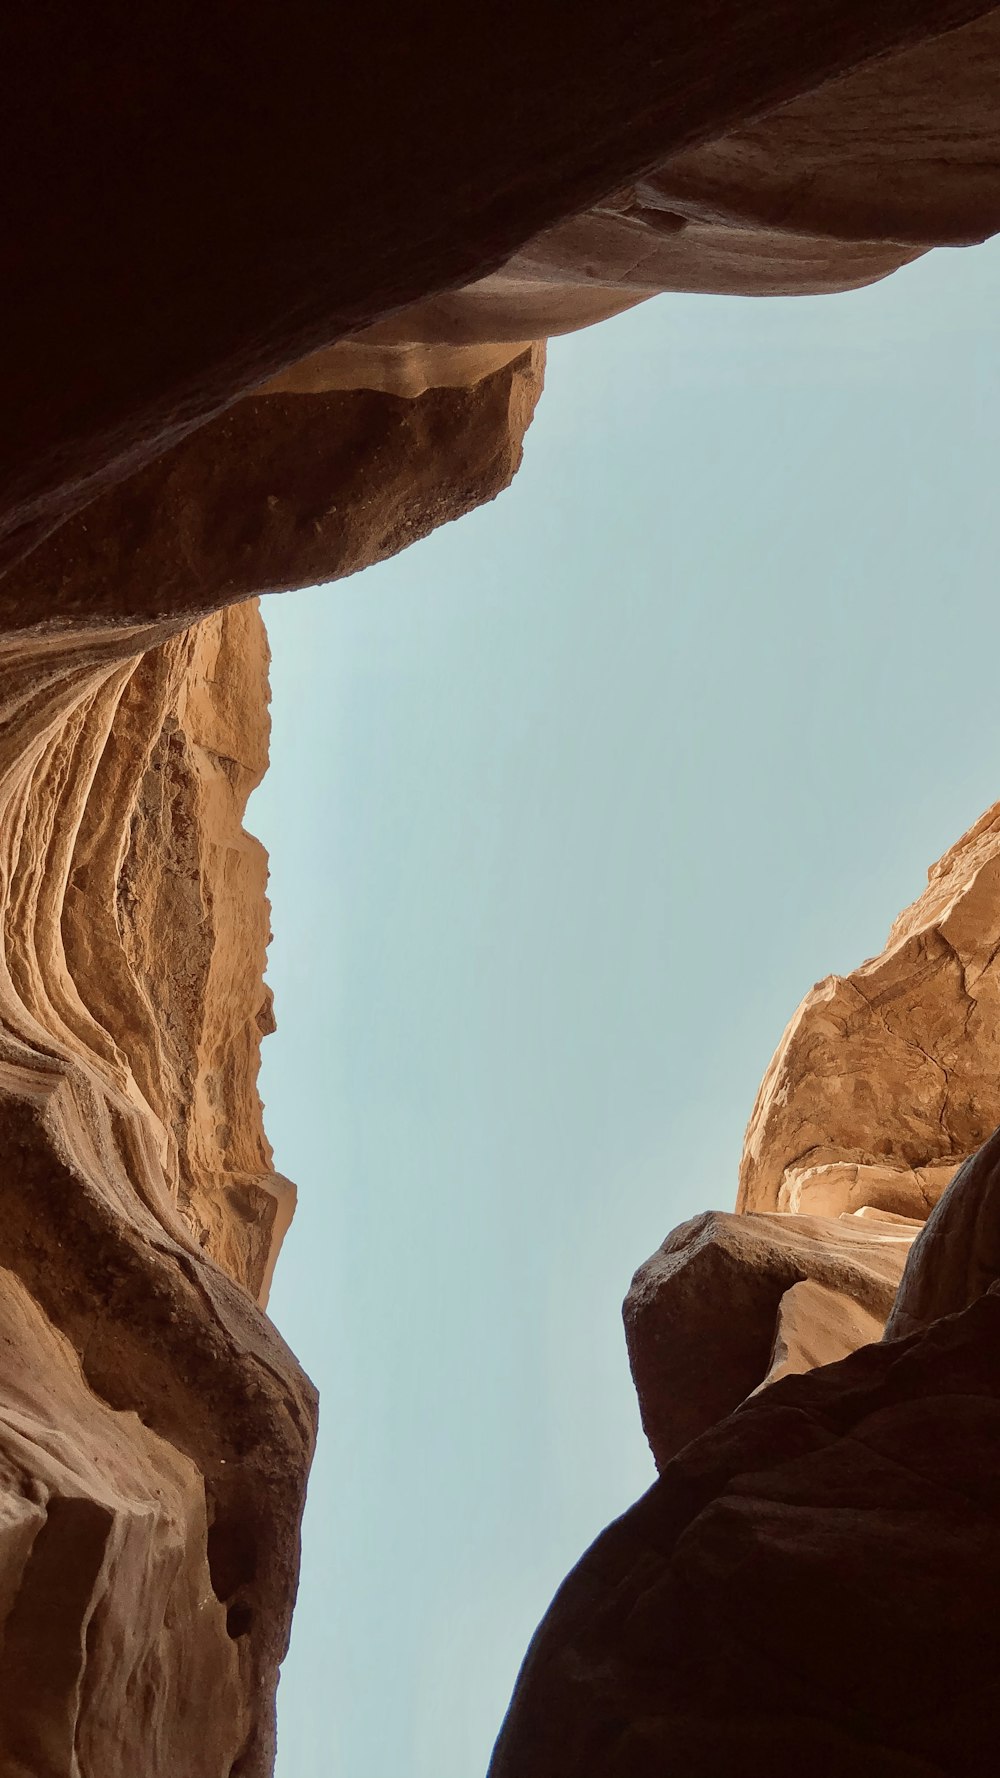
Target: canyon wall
[
  {"x": 273, "y": 312},
  {"x": 156, "y": 1432}
]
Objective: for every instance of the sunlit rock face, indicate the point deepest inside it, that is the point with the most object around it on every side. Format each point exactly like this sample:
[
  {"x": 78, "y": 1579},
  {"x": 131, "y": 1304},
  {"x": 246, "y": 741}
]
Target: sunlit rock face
[
  {"x": 156, "y": 1432},
  {"x": 887, "y": 1078}
]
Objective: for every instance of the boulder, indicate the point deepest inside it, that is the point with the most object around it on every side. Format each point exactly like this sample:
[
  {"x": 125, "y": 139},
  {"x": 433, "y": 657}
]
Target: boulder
[{"x": 730, "y": 1303}]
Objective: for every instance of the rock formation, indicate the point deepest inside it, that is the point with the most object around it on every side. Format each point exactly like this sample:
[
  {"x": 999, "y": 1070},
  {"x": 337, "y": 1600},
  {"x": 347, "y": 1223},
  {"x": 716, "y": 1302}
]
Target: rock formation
[
  {"x": 808, "y": 1587},
  {"x": 887, "y": 1078},
  {"x": 190, "y": 210},
  {"x": 731, "y": 1303},
  {"x": 826, "y": 1513},
  {"x": 157, "y": 1433},
  {"x": 272, "y": 312}
]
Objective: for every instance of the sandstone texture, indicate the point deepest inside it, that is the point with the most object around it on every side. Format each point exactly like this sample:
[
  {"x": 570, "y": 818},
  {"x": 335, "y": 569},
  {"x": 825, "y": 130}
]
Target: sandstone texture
[
  {"x": 730, "y": 1303},
  {"x": 887, "y": 1078},
  {"x": 274, "y": 309},
  {"x": 283, "y": 490},
  {"x": 153, "y": 1476},
  {"x": 808, "y": 1587},
  {"x": 156, "y": 1431},
  {"x": 157, "y": 1434}
]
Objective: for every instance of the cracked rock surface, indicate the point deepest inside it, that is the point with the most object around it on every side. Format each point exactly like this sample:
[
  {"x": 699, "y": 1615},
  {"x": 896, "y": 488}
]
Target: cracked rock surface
[{"x": 887, "y": 1078}]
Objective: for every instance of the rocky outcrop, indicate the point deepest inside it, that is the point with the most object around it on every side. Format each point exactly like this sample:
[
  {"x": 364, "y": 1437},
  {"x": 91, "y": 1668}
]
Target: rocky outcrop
[
  {"x": 807, "y": 1585},
  {"x": 284, "y": 490},
  {"x": 158, "y": 1434},
  {"x": 807, "y": 1588},
  {"x": 887, "y": 1078},
  {"x": 957, "y": 1259},
  {"x": 157, "y": 1431},
  {"x": 729, "y": 1304},
  {"x": 192, "y": 214}
]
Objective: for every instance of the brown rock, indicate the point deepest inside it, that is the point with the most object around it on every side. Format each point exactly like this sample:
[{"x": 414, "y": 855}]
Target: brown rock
[
  {"x": 887, "y": 1078},
  {"x": 158, "y": 1431},
  {"x": 141, "y": 1213},
  {"x": 905, "y": 149},
  {"x": 192, "y": 214},
  {"x": 281, "y": 491},
  {"x": 957, "y": 1258},
  {"x": 107, "y": 1594},
  {"x": 201, "y": 218},
  {"x": 807, "y": 1588},
  {"x": 831, "y": 191},
  {"x": 729, "y": 1303}
]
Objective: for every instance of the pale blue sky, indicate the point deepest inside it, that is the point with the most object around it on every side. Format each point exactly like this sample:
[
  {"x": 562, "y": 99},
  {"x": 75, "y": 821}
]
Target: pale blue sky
[{"x": 568, "y": 807}]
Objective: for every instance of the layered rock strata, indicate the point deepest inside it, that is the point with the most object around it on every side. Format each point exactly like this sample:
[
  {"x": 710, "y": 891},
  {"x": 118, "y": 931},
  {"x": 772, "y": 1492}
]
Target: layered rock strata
[{"x": 189, "y": 214}]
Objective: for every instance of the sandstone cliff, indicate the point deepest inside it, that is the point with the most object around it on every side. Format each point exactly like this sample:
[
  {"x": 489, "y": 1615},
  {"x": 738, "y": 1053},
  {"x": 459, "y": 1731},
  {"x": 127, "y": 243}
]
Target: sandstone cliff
[
  {"x": 887, "y": 1078},
  {"x": 156, "y": 1432}
]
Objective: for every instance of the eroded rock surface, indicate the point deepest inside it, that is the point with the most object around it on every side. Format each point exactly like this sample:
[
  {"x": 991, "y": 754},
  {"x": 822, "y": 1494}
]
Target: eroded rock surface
[
  {"x": 730, "y": 1303},
  {"x": 284, "y": 490},
  {"x": 957, "y": 1259},
  {"x": 191, "y": 214},
  {"x": 158, "y": 1432},
  {"x": 152, "y": 1476},
  {"x": 808, "y": 1587},
  {"x": 887, "y": 1078}
]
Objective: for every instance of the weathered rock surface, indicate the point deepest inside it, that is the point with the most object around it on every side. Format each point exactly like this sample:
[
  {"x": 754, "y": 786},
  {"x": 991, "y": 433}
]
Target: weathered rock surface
[
  {"x": 807, "y": 1588},
  {"x": 887, "y": 1078},
  {"x": 191, "y": 214},
  {"x": 157, "y": 1431},
  {"x": 808, "y": 1585},
  {"x": 729, "y": 1303},
  {"x": 284, "y": 490},
  {"x": 107, "y": 1591}
]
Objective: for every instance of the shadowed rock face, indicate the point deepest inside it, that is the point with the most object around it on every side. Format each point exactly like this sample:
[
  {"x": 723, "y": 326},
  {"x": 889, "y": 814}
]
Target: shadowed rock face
[
  {"x": 191, "y": 214},
  {"x": 731, "y": 1303},
  {"x": 809, "y": 1587},
  {"x": 283, "y": 490}
]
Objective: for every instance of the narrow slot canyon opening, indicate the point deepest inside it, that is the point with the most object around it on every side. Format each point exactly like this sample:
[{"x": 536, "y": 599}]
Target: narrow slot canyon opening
[{"x": 567, "y": 805}]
